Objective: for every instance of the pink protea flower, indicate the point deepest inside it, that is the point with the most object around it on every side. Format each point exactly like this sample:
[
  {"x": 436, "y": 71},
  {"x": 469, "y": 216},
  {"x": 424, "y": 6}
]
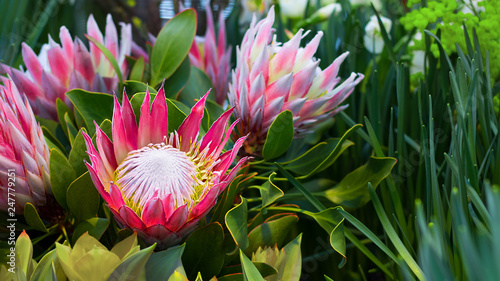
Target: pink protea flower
[
  {"x": 24, "y": 154},
  {"x": 58, "y": 69},
  {"x": 211, "y": 55},
  {"x": 156, "y": 183},
  {"x": 270, "y": 78}
]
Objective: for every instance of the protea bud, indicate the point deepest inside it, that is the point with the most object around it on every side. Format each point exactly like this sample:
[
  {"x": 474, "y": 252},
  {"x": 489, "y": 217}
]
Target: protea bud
[
  {"x": 90, "y": 260},
  {"x": 212, "y": 55},
  {"x": 157, "y": 184},
  {"x": 58, "y": 69},
  {"x": 270, "y": 78},
  {"x": 24, "y": 155}
]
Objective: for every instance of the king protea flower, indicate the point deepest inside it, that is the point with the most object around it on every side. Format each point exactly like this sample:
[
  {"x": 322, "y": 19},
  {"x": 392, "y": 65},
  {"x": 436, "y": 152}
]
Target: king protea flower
[
  {"x": 211, "y": 55},
  {"x": 156, "y": 183},
  {"x": 58, "y": 69},
  {"x": 270, "y": 78},
  {"x": 24, "y": 154}
]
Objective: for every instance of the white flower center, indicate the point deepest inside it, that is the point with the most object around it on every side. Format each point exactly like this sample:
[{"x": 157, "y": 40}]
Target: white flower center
[{"x": 156, "y": 170}]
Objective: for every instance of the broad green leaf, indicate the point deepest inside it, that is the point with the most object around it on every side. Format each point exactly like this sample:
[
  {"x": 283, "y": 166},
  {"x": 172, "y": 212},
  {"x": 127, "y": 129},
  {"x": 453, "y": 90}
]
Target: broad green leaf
[
  {"x": 272, "y": 232},
  {"x": 132, "y": 267},
  {"x": 172, "y": 45},
  {"x": 270, "y": 192},
  {"x": 92, "y": 106},
  {"x": 234, "y": 272},
  {"x": 133, "y": 87},
  {"x": 332, "y": 222},
  {"x": 214, "y": 110},
  {"x": 352, "y": 191},
  {"x": 236, "y": 222},
  {"x": 62, "y": 175},
  {"x": 204, "y": 251},
  {"x": 250, "y": 272},
  {"x": 196, "y": 86},
  {"x": 94, "y": 226},
  {"x": 137, "y": 71},
  {"x": 32, "y": 218},
  {"x": 320, "y": 156},
  {"x": 83, "y": 198},
  {"x": 175, "y": 83},
  {"x": 108, "y": 56},
  {"x": 78, "y": 153},
  {"x": 226, "y": 200},
  {"x": 279, "y": 136},
  {"x": 169, "y": 261}
]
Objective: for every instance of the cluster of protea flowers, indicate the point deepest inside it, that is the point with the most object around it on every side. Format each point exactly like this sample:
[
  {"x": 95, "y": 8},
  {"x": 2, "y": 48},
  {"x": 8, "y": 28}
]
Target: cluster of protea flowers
[
  {"x": 24, "y": 155},
  {"x": 270, "y": 78},
  {"x": 211, "y": 54},
  {"x": 156, "y": 183},
  {"x": 58, "y": 69}
]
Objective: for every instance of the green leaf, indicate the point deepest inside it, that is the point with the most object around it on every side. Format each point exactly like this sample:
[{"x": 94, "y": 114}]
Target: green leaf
[
  {"x": 332, "y": 222},
  {"x": 72, "y": 131},
  {"x": 133, "y": 87},
  {"x": 24, "y": 254},
  {"x": 169, "y": 261},
  {"x": 320, "y": 156},
  {"x": 172, "y": 45},
  {"x": 279, "y": 136},
  {"x": 293, "y": 261},
  {"x": 62, "y": 175},
  {"x": 236, "y": 222},
  {"x": 137, "y": 71},
  {"x": 43, "y": 270},
  {"x": 272, "y": 232},
  {"x": 62, "y": 110},
  {"x": 175, "y": 83},
  {"x": 226, "y": 200},
  {"x": 32, "y": 218},
  {"x": 250, "y": 272},
  {"x": 352, "y": 191},
  {"x": 108, "y": 55},
  {"x": 234, "y": 272},
  {"x": 196, "y": 86},
  {"x": 92, "y": 106},
  {"x": 83, "y": 198},
  {"x": 270, "y": 192},
  {"x": 78, "y": 153},
  {"x": 132, "y": 267},
  {"x": 94, "y": 226},
  {"x": 204, "y": 251}
]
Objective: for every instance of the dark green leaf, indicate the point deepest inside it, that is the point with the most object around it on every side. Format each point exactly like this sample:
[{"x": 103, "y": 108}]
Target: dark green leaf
[
  {"x": 172, "y": 45},
  {"x": 132, "y": 267},
  {"x": 32, "y": 218},
  {"x": 137, "y": 71},
  {"x": 83, "y": 198},
  {"x": 175, "y": 83},
  {"x": 92, "y": 106},
  {"x": 352, "y": 191},
  {"x": 236, "y": 222},
  {"x": 94, "y": 226},
  {"x": 250, "y": 272},
  {"x": 204, "y": 252},
  {"x": 79, "y": 153},
  {"x": 279, "y": 136},
  {"x": 197, "y": 85},
  {"x": 133, "y": 87},
  {"x": 169, "y": 261},
  {"x": 62, "y": 175},
  {"x": 270, "y": 192},
  {"x": 272, "y": 232}
]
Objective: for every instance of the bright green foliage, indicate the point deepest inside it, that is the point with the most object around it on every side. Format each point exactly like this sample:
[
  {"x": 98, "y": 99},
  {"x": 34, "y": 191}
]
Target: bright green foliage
[{"x": 447, "y": 16}]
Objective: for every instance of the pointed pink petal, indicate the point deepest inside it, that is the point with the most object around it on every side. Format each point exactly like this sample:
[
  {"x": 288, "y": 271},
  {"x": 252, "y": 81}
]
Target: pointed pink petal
[
  {"x": 116, "y": 197},
  {"x": 283, "y": 60},
  {"x": 168, "y": 206},
  {"x": 279, "y": 88},
  {"x": 178, "y": 218},
  {"x": 94, "y": 32},
  {"x": 188, "y": 131},
  {"x": 302, "y": 81},
  {"x": 153, "y": 212},
  {"x": 106, "y": 151},
  {"x": 214, "y": 135},
  {"x": 205, "y": 204},
  {"x": 83, "y": 61},
  {"x": 145, "y": 122},
  {"x": 67, "y": 44},
  {"x": 130, "y": 218},
  {"x": 129, "y": 122},
  {"x": 159, "y": 118},
  {"x": 111, "y": 37},
  {"x": 59, "y": 64},
  {"x": 119, "y": 134},
  {"x": 32, "y": 63}
]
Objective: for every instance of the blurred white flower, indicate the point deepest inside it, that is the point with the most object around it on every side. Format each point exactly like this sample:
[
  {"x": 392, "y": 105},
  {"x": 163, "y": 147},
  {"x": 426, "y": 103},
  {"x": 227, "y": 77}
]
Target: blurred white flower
[
  {"x": 418, "y": 60},
  {"x": 293, "y": 8},
  {"x": 373, "y": 40},
  {"x": 376, "y": 3},
  {"x": 326, "y": 11}
]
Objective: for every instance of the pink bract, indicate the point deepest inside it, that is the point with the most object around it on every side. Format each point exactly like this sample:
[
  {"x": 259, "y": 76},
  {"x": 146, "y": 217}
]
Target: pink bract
[
  {"x": 60, "y": 68},
  {"x": 156, "y": 183},
  {"x": 270, "y": 78}
]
